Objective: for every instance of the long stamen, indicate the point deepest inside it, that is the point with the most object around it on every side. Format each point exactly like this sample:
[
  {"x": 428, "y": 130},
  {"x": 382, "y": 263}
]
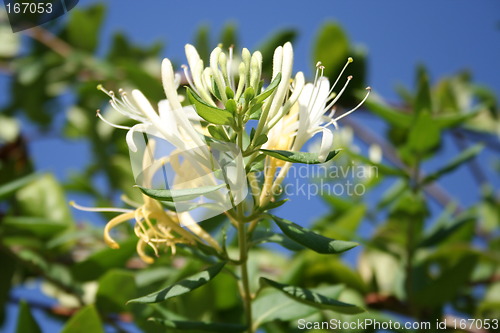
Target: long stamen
[
  {"x": 98, "y": 114},
  {"x": 318, "y": 66},
  {"x": 369, "y": 89},
  {"x": 349, "y": 78},
  {"x": 349, "y": 60},
  {"x": 100, "y": 209}
]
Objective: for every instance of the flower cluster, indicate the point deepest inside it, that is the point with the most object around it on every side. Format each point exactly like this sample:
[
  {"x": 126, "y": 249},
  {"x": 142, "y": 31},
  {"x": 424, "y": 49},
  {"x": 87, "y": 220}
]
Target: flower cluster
[{"x": 221, "y": 99}]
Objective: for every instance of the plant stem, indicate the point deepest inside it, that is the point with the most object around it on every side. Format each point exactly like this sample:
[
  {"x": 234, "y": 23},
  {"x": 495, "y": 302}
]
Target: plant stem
[
  {"x": 245, "y": 286},
  {"x": 243, "y": 247}
]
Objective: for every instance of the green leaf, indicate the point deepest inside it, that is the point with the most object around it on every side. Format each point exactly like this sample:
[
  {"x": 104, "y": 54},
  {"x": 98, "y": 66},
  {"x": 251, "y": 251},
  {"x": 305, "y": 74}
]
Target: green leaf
[
  {"x": 52, "y": 271},
  {"x": 83, "y": 27},
  {"x": 312, "y": 240},
  {"x": 423, "y": 102},
  {"x": 9, "y": 264},
  {"x": 424, "y": 134},
  {"x": 199, "y": 326},
  {"x": 267, "y": 236},
  {"x": 143, "y": 81},
  {"x": 267, "y": 48},
  {"x": 312, "y": 298},
  {"x": 8, "y": 189},
  {"x": 38, "y": 226},
  {"x": 209, "y": 113},
  {"x": 181, "y": 194},
  {"x": 261, "y": 139},
  {"x": 445, "y": 230},
  {"x": 102, "y": 261},
  {"x": 25, "y": 321},
  {"x": 443, "y": 276},
  {"x": 182, "y": 287},
  {"x": 298, "y": 156},
  {"x": 116, "y": 287},
  {"x": 274, "y": 304},
  {"x": 331, "y": 48},
  {"x": 44, "y": 198},
  {"x": 228, "y": 36},
  {"x": 462, "y": 158},
  {"x": 452, "y": 120},
  {"x": 269, "y": 90},
  {"x": 392, "y": 116},
  {"x": 217, "y": 133},
  {"x": 84, "y": 321}
]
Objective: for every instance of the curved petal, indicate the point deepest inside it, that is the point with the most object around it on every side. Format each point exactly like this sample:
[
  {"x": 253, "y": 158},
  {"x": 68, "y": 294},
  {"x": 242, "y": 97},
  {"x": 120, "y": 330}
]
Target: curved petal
[{"x": 326, "y": 144}]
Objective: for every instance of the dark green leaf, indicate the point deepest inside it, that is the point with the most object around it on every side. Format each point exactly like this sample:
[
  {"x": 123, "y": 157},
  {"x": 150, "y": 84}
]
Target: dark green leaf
[
  {"x": 261, "y": 139},
  {"x": 298, "y": 156},
  {"x": 424, "y": 134},
  {"x": 209, "y": 113},
  {"x": 423, "y": 102},
  {"x": 462, "y": 158},
  {"x": 228, "y": 36},
  {"x": 181, "y": 194},
  {"x": 331, "y": 48},
  {"x": 25, "y": 321},
  {"x": 274, "y": 304},
  {"x": 182, "y": 287},
  {"x": 13, "y": 186},
  {"x": 83, "y": 27},
  {"x": 445, "y": 230},
  {"x": 85, "y": 320},
  {"x": 267, "y": 48},
  {"x": 312, "y": 240},
  {"x": 116, "y": 287},
  {"x": 101, "y": 261},
  {"x": 199, "y": 326},
  {"x": 391, "y": 115},
  {"x": 9, "y": 264},
  {"x": 269, "y": 90},
  {"x": 312, "y": 298},
  {"x": 42, "y": 227}
]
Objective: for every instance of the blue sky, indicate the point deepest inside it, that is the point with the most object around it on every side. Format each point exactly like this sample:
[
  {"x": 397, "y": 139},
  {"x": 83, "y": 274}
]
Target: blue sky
[{"x": 446, "y": 36}]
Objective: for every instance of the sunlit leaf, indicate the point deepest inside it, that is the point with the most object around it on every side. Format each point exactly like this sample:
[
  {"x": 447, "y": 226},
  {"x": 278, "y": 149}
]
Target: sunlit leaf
[
  {"x": 209, "y": 113},
  {"x": 312, "y": 298},
  {"x": 84, "y": 321},
  {"x": 180, "y": 194},
  {"x": 182, "y": 287},
  {"x": 459, "y": 160},
  {"x": 298, "y": 156},
  {"x": 312, "y": 240}
]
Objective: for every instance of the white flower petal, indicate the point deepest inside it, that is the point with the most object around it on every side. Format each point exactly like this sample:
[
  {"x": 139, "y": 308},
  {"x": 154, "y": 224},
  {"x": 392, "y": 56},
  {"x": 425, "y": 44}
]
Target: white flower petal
[{"x": 326, "y": 144}]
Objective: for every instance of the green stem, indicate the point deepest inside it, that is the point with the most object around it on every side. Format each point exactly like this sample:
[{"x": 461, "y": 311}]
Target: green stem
[
  {"x": 245, "y": 285},
  {"x": 410, "y": 250},
  {"x": 243, "y": 247}
]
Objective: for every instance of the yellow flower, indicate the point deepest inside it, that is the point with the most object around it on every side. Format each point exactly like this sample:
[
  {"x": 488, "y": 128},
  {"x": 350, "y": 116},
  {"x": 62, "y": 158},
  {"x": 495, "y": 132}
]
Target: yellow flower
[{"x": 154, "y": 226}]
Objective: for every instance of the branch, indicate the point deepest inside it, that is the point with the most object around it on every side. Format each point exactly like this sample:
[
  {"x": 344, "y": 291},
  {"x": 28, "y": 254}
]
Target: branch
[
  {"x": 50, "y": 40},
  {"x": 434, "y": 190}
]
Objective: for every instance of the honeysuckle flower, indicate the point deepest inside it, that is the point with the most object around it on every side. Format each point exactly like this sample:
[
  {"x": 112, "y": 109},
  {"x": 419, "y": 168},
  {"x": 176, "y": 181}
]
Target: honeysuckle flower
[
  {"x": 290, "y": 114},
  {"x": 314, "y": 101},
  {"x": 154, "y": 226}
]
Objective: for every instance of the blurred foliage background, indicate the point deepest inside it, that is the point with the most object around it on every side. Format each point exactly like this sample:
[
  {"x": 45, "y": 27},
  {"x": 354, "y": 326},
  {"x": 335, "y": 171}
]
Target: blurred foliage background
[{"x": 415, "y": 262}]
